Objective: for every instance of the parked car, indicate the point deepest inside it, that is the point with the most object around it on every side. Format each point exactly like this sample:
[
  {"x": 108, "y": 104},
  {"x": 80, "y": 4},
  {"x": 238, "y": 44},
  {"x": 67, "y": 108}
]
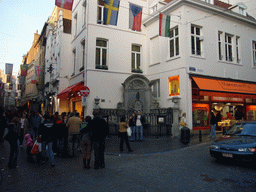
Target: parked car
[{"x": 238, "y": 143}]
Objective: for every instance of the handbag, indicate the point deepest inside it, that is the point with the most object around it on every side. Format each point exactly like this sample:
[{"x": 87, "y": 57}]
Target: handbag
[
  {"x": 129, "y": 131},
  {"x": 35, "y": 148}
]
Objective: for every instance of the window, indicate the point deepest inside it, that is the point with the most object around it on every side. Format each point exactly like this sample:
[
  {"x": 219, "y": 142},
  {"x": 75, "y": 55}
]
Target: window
[
  {"x": 101, "y": 54},
  {"x": 74, "y": 62},
  {"x": 228, "y": 47},
  {"x": 83, "y": 55},
  {"x": 100, "y": 11},
  {"x": 75, "y": 25},
  {"x": 220, "y": 45},
  {"x": 254, "y": 53},
  {"x": 196, "y": 40},
  {"x": 174, "y": 42},
  {"x": 136, "y": 58},
  {"x": 238, "y": 60},
  {"x": 84, "y": 12},
  {"x": 155, "y": 86}
]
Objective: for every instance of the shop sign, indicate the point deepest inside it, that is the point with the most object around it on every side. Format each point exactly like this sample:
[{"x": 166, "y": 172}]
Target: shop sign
[
  {"x": 84, "y": 91},
  {"x": 235, "y": 86}
]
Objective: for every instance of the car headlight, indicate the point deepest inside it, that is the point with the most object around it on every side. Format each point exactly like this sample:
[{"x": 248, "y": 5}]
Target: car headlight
[
  {"x": 253, "y": 150},
  {"x": 214, "y": 147}
]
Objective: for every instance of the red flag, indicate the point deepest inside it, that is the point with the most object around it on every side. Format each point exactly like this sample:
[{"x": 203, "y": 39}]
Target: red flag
[
  {"x": 24, "y": 70},
  {"x": 38, "y": 70},
  {"x": 65, "y": 4},
  {"x": 33, "y": 80}
]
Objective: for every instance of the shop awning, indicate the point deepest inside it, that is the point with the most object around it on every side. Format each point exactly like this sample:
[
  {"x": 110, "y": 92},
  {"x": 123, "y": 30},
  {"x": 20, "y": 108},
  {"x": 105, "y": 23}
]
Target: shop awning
[
  {"x": 71, "y": 89},
  {"x": 223, "y": 88}
]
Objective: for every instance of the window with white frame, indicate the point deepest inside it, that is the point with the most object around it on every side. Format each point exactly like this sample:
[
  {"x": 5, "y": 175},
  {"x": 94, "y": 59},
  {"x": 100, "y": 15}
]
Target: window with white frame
[
  {"x": 238, "y": 60},
  {"x": 101, "y": 53},
  {"x": 220, "y": 36},
  {"x": 100, "y": 11},
  {"x": 75, "y": 25},
  {"x": 174, "y": 42},
  {"x": 136, "y": 58},
  {"x": 83, "y": 55},
  {"x": 84, "y": 12},
  {"x": 155, "y": 87},
  {"x": 228, "y": 47},
  {"x": 74, "y": 61},
  {"x": 254, "y": 53},
  {"x": 196, "y": 40}
]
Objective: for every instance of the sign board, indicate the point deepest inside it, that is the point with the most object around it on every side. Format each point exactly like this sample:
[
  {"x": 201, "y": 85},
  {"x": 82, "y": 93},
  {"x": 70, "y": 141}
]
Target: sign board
[
  {"x": 84, "y": 91},
  {"x": 83, "y": 101}
]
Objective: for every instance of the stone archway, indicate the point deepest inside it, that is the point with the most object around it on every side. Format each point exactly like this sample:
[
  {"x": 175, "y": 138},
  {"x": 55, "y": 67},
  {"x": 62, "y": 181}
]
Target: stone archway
[{"x": 137, "y": 94}]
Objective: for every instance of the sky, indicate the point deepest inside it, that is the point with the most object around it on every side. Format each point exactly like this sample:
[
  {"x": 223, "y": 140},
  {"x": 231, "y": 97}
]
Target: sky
[{"x": 21, "y": 18}]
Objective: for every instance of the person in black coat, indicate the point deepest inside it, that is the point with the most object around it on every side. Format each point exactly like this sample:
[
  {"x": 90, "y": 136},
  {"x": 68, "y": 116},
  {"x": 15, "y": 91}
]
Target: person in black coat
[
  {"x": 213, "y": 123},
  {"x": 3, "y": 122},
  {"x": 100, "y": 131}
]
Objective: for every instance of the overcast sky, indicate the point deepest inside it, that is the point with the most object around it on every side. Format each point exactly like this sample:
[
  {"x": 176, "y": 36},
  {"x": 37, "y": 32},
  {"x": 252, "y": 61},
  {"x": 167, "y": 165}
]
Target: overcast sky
[{"x": 21, "y": 18}]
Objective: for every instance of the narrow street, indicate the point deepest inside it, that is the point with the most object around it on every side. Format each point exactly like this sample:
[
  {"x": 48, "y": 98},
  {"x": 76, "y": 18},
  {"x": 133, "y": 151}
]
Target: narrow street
[{"x": 185, "y": 169}]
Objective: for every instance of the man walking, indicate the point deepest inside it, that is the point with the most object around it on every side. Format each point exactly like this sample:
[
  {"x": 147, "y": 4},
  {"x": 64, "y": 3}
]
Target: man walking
[
  {"x": 140, "y": 121},
  {"x": 73, "y": 126},
  {"x": 100, "y": 131}
]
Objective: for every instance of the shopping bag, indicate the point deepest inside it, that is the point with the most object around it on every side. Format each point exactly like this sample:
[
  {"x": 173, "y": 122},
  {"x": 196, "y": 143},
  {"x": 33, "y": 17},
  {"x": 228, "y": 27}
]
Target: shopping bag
[
  {"x": 129, "y": 131},
  {"x": 35, "y": 149}
]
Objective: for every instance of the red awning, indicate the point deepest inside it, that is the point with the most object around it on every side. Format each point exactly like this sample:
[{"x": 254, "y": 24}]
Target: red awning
[{"x": 71, "y": 89}]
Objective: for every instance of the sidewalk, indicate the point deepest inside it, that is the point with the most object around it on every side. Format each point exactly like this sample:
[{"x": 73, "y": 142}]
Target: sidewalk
[{"x": 153, "y": 144}]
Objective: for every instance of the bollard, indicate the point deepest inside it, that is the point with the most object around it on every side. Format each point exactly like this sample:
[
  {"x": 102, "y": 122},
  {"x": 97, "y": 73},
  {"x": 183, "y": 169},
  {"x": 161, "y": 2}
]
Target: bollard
[{"x": 200, "y": 136}]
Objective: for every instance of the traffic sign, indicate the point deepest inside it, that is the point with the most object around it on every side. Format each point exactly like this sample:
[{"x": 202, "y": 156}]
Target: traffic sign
[{"x": 85, "y": 91}]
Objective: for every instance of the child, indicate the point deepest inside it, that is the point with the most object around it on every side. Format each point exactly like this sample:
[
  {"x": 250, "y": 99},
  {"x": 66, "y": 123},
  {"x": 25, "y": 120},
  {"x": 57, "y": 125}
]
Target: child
[{"x": 29, "y": 144}]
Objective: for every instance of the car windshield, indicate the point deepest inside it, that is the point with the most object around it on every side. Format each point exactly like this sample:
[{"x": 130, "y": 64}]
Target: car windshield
[{"x": 243, "y": 129}]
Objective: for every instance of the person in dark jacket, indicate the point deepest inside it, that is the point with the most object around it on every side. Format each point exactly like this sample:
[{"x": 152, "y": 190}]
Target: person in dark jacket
[
  {"x": 46, "y": 134},
  {"x": 86, "y": 140},
  {"x": 12, "y": 137},
  {"x": 3, "y": 122},
  {"x": 100, "y": 131},
  {"x": 213, "y": 123},
  {"x": 132, "y": 125},
  {"x": 139, "y": 121}
]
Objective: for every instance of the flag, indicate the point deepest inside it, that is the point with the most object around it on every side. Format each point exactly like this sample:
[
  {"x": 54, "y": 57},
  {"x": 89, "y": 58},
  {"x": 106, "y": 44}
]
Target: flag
[
  {"x": 33, "y": 80},
  {"x": 21, "y": 80},
  {"x": 38, "y": 70},
  {"x": 65, "y": 4},
  {"x": 111, "y": 8},
  {"x": 135, "y": 16},
  {"x": 24, "y": 70},
  {"x": 164, "y": 25},
  {"x": 8, "y": 68}
]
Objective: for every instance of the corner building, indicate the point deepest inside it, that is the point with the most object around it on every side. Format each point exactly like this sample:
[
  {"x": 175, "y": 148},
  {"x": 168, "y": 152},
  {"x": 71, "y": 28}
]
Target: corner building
[{"x": 208, "y": 60}]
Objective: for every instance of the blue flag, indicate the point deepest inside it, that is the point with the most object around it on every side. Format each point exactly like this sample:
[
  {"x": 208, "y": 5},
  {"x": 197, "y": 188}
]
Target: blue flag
[{"x": 111, "y": 8}]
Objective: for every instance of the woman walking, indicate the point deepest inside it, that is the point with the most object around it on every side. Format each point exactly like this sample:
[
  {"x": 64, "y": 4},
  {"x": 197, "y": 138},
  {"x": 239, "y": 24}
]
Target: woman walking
[{"x": 123, "y": 135}]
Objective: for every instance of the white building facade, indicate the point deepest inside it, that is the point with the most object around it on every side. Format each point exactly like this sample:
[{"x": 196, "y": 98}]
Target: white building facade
[{"x": 207, "y": 45}]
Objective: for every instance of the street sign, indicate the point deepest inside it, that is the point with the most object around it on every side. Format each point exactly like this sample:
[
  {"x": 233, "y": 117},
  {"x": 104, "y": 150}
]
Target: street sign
[
  {"x": 85, "y": 91},
  {"x": 83, "y": 101}
]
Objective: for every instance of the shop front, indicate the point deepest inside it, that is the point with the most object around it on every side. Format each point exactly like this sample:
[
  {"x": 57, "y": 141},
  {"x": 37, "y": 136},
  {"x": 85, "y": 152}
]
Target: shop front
[{"x": 230, "y": 100}]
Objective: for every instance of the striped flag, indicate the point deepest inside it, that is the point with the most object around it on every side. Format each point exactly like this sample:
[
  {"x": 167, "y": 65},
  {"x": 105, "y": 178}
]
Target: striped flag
[
  {"x": 33, "y": 80},
  {"x": 164, "y": 25},
  {"x": 135, "y": 17},
  {"x": 24, "y": 70},
  {"x": 65, "y": 4}
]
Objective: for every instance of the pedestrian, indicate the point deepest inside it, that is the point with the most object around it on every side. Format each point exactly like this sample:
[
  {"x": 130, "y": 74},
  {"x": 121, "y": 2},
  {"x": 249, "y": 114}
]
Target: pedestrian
[
  {"x": 29, "y": 144},
  {"x": 213, "y": 123},
  {"x": 37, "y": 120},
  {"x": 23, "y": 128},
  {"x": 56, "y": 130},
  {"x": 3, "y": 122},
  {"x": 64, "y": 134},
  {"x": 123, "y": 135},
  {"x": 46, "y": 135},
  {"x": 183, "y": 121},
  {"x": 73, "y": 126},
  {"x": 132, "y": 125},
  {"x": 86, "y": 139},
  {"x": 100, "y": 131},
  {"x": 140, "y": 121},
  {"x": 12, "y": 137}
]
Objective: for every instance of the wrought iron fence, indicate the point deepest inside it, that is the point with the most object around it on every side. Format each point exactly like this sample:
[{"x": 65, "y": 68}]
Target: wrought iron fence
[{"x": 158, "y": 121}]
